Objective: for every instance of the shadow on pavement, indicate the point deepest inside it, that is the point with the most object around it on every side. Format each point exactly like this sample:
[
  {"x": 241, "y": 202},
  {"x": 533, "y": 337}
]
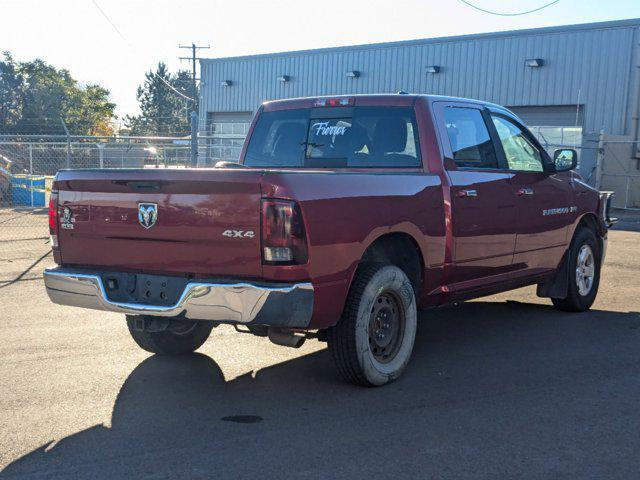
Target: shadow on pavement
[
  {"x": 21, "y": 275},
  {"x": 495, "y": 390}
]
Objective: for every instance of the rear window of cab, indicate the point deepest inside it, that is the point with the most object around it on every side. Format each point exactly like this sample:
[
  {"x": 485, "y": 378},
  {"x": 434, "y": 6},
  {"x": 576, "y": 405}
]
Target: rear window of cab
[{"x": 358, "y": 137}]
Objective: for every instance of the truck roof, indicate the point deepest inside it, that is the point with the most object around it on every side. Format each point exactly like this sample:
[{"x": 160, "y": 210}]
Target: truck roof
[{"x": 390, "y": 99}]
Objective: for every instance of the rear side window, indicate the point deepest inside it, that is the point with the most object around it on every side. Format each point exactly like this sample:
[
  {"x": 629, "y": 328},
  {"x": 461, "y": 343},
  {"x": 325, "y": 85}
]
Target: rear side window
[
  {"x": 358, "y": 137},
  {"x": 277, "y": 139},
  {"x": 469, "y": 137}
]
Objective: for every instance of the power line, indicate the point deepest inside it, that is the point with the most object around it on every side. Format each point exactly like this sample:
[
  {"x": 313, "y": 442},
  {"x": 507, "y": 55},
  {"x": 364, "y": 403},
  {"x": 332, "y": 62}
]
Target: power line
[
  {"x": 173, "y": 88},
  {"x": 500, "y": 14},
  {"x": 111, "y": 22},
  {"x": 130, "y": 45}
]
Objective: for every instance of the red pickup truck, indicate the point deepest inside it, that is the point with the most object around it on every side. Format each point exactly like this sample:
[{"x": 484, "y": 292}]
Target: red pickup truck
[{"x": 343, "y": 217}]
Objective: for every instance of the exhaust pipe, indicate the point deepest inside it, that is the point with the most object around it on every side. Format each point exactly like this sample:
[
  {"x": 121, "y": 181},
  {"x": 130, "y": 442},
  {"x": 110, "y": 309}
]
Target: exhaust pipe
[{"x": 285, "y": 339}]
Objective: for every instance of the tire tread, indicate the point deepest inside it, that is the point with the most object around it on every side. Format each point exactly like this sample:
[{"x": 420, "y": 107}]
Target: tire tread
[{"x": 341, "y": 337}]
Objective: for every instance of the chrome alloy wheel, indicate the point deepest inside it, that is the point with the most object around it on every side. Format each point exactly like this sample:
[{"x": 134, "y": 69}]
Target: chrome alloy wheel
[
  {"x": 585, "y": 270},
  {"x": 386, "y": 327}
]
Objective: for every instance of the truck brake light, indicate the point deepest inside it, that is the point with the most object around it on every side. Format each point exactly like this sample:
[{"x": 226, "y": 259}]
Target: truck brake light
[
  {"x": 334, "y": 102},
  {"x": 53, "y": 218},
  {"x": 283, "y": 235}
]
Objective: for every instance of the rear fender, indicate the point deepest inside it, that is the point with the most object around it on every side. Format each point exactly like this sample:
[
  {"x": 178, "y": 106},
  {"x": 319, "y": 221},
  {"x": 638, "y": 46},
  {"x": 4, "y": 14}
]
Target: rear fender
[
  {"x": 331, "y": 297},
  {"x": 406, "y": 228}
]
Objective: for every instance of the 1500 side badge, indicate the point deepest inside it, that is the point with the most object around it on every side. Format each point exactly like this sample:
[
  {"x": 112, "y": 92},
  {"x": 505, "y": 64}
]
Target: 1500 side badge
[
  {"x": 559, "y": 211},
  {"x": 238, "y": 233}
]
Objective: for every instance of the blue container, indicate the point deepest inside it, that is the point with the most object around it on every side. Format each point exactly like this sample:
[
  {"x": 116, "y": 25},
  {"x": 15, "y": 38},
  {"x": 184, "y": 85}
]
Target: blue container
[{"x": 28, "y": 191}]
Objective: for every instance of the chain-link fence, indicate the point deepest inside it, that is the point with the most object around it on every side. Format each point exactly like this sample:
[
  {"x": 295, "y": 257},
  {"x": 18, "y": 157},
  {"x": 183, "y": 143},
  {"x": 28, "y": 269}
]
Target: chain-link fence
[
  {"x": 585, "y": 144},
  {"x": 619, "y": 170},
  {"x": 607, "y": 162}
]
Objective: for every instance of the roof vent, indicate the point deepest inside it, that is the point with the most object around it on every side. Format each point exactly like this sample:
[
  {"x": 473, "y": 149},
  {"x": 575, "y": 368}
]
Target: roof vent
[
  {"x": 402, "y": 92},
  {"x": 353, "y": 74}
]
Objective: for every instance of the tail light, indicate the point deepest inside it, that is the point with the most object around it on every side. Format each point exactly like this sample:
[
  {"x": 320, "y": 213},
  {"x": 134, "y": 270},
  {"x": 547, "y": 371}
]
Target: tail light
[
  {"x": 53, "y": 218},
  {"x": 283, "y": 236}
]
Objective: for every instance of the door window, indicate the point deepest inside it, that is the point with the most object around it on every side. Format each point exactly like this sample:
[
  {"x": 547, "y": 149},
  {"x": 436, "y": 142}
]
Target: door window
[
  {"x": 521, "y": 154},
  {"x": 470, "y": 141}
]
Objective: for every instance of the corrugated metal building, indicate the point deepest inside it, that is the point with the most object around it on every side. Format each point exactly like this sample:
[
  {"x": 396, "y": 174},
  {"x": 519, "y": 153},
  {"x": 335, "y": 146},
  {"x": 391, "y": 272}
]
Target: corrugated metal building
[{"x": 566, "y": 82}]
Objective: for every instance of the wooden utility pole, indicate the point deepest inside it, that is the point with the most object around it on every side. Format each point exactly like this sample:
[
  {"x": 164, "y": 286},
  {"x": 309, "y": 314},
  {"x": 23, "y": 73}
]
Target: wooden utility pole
[{"x": 193, "y": 117}]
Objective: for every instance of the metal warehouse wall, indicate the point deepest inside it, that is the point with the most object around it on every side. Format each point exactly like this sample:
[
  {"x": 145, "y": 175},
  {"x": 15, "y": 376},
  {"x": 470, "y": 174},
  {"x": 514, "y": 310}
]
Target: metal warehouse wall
[{"x": 596, "y": 59}]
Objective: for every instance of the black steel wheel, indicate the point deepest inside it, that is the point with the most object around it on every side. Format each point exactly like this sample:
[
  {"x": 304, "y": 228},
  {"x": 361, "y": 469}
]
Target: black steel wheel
[
  {"x": 372, "y": 343},
  {"x": 386, "y": 326}
]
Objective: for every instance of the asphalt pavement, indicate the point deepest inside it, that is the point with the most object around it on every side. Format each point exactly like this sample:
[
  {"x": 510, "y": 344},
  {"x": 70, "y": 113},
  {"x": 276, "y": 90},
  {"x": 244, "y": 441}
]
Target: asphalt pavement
[{"x": 501, "y": 387}]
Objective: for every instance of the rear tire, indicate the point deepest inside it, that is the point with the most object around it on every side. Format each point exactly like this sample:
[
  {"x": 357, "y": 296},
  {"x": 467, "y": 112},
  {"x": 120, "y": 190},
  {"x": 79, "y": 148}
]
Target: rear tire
[
  {"x": 372, "y": 343},
  {"x": 584, "y": 273},
  {"x": 167, "y": 336}
]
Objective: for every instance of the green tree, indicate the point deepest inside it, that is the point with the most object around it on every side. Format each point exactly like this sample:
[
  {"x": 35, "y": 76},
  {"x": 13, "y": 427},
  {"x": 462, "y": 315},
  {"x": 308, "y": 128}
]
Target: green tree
[
  {"x": 163, "y": 112},
  {"x": 92, "y": 112},
  {"x": 11, "y": 92},
  {"x": 35, "y": 96}
]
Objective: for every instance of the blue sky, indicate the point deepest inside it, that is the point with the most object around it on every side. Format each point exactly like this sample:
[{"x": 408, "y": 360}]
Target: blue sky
[{"x": 75, "y": 35}]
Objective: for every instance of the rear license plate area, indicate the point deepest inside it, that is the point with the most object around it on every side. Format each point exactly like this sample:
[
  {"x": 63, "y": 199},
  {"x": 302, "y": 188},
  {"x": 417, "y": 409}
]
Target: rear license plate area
[{"x": 143, "y": 289}]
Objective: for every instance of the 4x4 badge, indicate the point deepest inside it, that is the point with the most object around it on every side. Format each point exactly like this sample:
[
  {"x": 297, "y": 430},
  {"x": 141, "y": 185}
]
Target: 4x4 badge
[
  {"x": 147, "y": 214},
  {"x": 238, "y": 233}
]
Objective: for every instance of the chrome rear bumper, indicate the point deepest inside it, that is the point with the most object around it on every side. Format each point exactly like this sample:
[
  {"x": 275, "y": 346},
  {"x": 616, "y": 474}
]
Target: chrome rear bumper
[{"x": 247, "y": 303}]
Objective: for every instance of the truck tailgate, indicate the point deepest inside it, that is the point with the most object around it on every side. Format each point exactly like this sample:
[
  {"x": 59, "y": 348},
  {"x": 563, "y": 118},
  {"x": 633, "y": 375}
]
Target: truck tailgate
[{"x": 207, "y": 222}]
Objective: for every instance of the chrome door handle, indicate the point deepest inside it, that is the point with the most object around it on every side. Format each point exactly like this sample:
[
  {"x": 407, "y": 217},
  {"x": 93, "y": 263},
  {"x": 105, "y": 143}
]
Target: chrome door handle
[
  {"x": 467, "y": 193},
  {"x": 524, "y": 191}
]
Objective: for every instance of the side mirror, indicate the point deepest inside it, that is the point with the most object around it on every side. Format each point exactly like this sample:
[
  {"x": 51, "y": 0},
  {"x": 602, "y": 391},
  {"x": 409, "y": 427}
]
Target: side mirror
[{"x": 565, "y": 159}]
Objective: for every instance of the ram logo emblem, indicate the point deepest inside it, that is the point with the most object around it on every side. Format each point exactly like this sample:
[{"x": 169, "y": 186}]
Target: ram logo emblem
[{"x": 147, "y": 214}]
